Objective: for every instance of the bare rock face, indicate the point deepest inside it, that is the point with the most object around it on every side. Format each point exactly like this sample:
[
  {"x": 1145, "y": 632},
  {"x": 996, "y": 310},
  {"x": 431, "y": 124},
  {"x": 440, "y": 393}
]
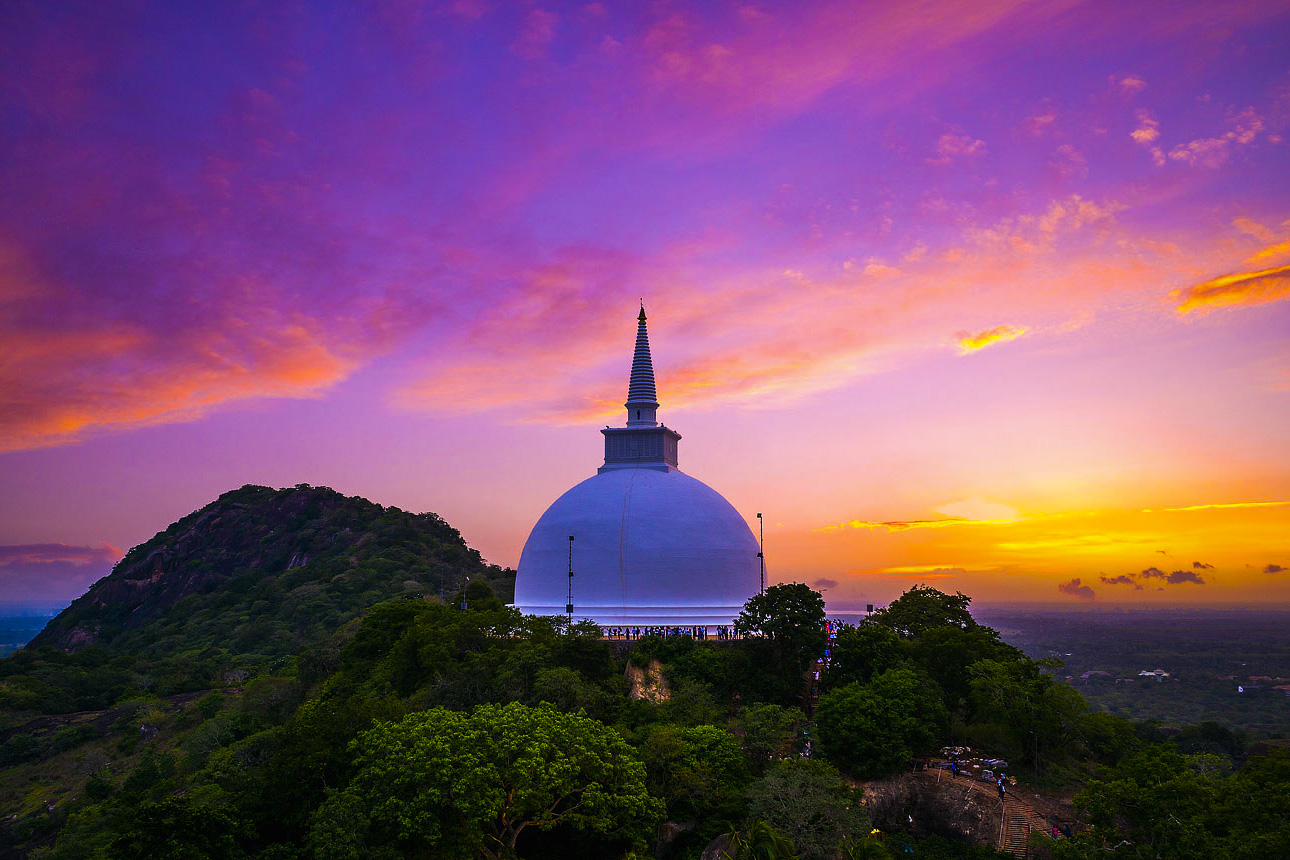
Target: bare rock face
[
  {"x": 668, "y": 834},
  {"x": 648, "y": 682},
  {"x": 921, "y": 806},
  {"x": 716, "y": 848}
]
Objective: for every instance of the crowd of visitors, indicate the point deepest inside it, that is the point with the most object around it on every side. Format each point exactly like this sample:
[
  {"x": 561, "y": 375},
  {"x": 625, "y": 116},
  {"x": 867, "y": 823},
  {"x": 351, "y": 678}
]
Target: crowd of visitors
[{"x": 724, "y": 631}]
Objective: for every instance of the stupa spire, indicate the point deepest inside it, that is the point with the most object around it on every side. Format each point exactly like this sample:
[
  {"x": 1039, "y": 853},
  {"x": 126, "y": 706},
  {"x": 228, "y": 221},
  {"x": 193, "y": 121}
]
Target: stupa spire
[
  {"x": 643, "y": 443},
  {"x": 642, "y": 396}
]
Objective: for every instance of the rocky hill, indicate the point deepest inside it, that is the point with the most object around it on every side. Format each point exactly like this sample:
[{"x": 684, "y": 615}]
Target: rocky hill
[{"x": 264, "y": 571}]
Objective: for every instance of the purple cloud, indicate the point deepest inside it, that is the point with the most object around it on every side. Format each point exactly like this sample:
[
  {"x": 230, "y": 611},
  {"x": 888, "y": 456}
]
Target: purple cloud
[
  {"x": 1181, "y": 576},
  {"x": 1122, "y": 579},
  {"x": 1274, "y": 568},
  {"x": 1153, "y": 573},
  {"x": 1076, "y": 589},
  {"x": 1200, "y": 565},
  {"x": 52, "y": 572},
  {"x": 825, "y": 582}
]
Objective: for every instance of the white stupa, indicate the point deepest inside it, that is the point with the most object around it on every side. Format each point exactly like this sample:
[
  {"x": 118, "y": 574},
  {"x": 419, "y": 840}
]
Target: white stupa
[{"x": 651, "y": 545}]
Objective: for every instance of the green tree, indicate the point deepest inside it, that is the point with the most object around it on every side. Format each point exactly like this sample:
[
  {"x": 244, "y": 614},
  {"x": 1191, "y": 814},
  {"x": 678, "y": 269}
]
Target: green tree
[
  {"x": 1107, "y": 738},
  {"x": 176, "y": 829},
  {"x": 863, "y": 849},
  {"x": 1041, "y": 713},
  {"x": 697, "y": 771},
  {"x": 768, "y": 732},
  {"x": 565, "y": 689},
  {"x": 946, "y": 652},
  {"x": 792, "y": 613},
  {"x": 440, "y": 782},
  {"x": 860, "y": 652},
  {"x": 923, "y": 608},
  {"x": 759, "y": 842},
  {"x": 1153, "y": 806},
  {"x": 873, "y": 729},
  {"x": 786, "y": 624},
  {"x": 810, "y": 802}
]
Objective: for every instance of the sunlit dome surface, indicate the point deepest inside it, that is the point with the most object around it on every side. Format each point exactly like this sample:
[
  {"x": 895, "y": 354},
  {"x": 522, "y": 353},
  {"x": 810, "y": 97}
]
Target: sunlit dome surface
[{"x": 652, "y": 546}]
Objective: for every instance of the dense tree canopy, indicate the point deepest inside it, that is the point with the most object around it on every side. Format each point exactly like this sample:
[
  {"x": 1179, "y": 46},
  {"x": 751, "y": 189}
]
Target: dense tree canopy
[
  {"x": 441, "y": 781},
  {"x": 923, "y": 608},
  {"x": 786, "y": 623},
  {"x": 810, "y": 802},
  {"x": 875, "y": 728},
  {"x": 1159, "y": 803}
]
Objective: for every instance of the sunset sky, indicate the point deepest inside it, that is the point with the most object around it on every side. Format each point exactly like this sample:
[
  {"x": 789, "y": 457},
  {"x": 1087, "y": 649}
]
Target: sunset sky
[{"x": 993, "y": 298}]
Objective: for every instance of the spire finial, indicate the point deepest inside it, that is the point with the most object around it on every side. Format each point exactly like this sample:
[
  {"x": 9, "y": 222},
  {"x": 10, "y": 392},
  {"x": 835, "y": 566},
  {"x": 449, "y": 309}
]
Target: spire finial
[{"x": 642, "y": 399}]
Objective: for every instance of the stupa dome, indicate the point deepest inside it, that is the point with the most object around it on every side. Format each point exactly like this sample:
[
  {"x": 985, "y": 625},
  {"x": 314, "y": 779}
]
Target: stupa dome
[{"x": 651, "y": 545}]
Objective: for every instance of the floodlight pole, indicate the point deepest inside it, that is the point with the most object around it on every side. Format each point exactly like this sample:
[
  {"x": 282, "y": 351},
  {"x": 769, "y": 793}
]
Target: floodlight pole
[
  {"x": 568, "y": 608},
  {"x": 761, "y": 545}
]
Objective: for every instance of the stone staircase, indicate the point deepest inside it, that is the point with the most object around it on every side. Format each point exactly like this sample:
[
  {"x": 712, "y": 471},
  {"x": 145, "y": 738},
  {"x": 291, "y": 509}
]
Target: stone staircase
[{"x": 1019, "y": 819}]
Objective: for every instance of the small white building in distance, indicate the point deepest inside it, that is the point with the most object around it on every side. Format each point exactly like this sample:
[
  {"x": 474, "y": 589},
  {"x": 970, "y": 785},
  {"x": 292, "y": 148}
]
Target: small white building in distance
[{"x": 651, "y": 546}]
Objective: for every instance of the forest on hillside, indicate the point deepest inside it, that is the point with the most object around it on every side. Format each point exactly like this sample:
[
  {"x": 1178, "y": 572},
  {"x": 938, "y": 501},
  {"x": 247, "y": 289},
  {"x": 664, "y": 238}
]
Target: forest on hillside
[
  {"x": 437, "y": 731},
  {"x": 351, "y": 712}
]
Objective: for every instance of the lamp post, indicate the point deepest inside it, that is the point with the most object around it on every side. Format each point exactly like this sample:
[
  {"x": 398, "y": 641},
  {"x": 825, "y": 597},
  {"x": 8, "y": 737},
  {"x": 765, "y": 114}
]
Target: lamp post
[
  {"x": 568, "y": 607},
  {"x": 761, "y": 545}
]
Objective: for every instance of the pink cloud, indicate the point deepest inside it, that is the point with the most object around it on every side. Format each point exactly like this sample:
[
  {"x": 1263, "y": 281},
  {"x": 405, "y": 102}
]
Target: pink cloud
[
  {"x": 771, "y": 338},
  {"x": 537, "y": 34},
  {"x": 1129, "y": 84},
  {"x": 763, "y": 64},
  {"x": 1069, "y": 163},
  {"x": 1213, "y": 152},
  {"x": 951, "y": 147}
]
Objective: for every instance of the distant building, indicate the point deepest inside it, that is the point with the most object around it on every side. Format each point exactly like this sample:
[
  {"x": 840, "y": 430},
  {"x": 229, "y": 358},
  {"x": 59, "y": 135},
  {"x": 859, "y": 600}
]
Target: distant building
[{"x": 1153, "y": 673}]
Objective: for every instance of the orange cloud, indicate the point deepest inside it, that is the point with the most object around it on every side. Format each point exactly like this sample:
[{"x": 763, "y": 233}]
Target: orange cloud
[
  {"x": 1148, "y": 129},
  {"x": 1238, "y": 289},
  {"x": 933, "y": 568},
  {"x": 111, "y": 379},
  {"x": 1114, "y": 547},
  {"x": 904, "y": 525},
  {"x": 62, "y": 384},
  {"x": 1222, "y": 506},
  {"x": 985, "y": 515},
  {"x": 999, "y": 334}
]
